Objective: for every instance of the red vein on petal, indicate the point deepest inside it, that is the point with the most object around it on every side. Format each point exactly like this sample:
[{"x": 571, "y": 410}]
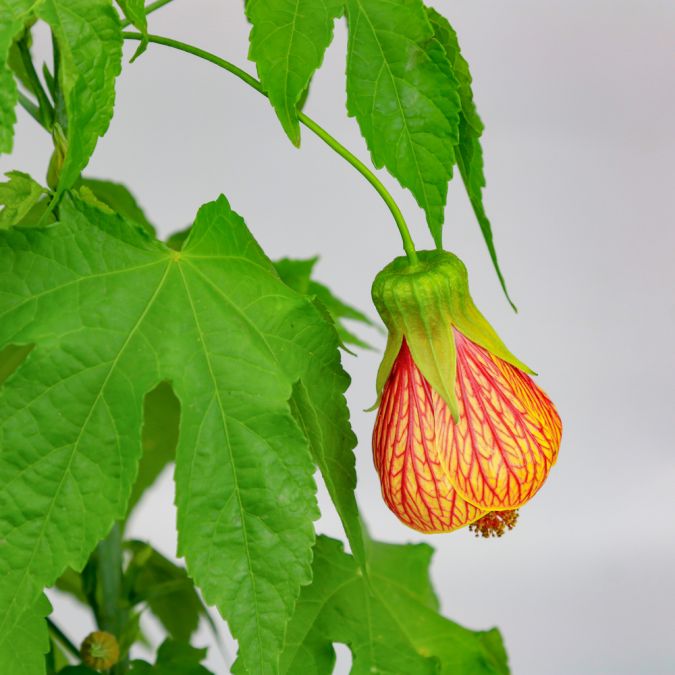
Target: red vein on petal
[
  {"x": 494, "y": 457},
  {"x": 415, "y": 485}
]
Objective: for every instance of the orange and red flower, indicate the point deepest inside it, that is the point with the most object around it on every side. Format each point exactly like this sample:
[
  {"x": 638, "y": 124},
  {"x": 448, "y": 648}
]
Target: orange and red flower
[{"x": 477, "y": 446}]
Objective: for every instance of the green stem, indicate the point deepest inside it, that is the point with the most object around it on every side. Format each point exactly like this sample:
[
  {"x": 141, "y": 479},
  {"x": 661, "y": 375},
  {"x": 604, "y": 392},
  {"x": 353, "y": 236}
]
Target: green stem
[
  {"x": 408, "y": 244},
  {"x": 113, "y": 615},
  {"x": 63, "y": 639},
  {"x": 148, "y": 10}
]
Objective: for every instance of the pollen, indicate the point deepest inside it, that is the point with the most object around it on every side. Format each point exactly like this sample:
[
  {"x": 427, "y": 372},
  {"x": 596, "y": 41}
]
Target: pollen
[{"x": 495, "y": 523}]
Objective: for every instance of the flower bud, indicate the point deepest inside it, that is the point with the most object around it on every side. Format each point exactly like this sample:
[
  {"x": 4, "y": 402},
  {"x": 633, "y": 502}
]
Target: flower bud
[
  {"x": 462, "y": 430},
  {"x": 100, "y": 650}
]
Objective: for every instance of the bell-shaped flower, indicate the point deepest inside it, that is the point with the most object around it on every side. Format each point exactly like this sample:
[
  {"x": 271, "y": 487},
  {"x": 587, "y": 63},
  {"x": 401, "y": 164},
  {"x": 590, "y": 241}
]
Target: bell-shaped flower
[{"x": 463, "y": 435}]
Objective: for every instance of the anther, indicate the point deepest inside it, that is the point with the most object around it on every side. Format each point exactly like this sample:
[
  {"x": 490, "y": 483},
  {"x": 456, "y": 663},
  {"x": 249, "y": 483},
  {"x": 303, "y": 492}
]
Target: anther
[{"x": 494, "y": 523}]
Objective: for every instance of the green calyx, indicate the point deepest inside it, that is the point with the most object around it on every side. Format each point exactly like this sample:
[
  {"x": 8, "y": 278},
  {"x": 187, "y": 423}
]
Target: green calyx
[{"x": 422, "y": 303}]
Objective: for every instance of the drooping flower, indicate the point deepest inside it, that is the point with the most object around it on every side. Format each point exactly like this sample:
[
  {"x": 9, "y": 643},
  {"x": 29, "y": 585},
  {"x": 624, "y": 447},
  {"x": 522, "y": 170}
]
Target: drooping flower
[{"x": 463, "y": 435}]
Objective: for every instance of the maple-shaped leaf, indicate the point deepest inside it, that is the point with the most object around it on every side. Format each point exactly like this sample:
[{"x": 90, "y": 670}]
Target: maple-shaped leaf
[
  {"x": 112, "y": 313},
  {"x": 389, "y": 620}
]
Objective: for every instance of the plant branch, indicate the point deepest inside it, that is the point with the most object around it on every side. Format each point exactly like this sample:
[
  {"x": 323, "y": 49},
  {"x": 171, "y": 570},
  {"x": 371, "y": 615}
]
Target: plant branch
[
  {"x": 408, "y": 244},
  {"x": 113, "y": 614}
]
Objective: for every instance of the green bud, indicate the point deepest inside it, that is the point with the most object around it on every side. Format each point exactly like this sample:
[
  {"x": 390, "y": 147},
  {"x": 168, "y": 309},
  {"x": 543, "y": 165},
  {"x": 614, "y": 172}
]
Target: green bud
[
  {"x": 58, "y": 157},
  {"x": 422, "y": 303}
]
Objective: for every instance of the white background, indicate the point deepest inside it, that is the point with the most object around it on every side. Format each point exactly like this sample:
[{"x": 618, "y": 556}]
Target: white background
[{"x": 578, "y": 97}]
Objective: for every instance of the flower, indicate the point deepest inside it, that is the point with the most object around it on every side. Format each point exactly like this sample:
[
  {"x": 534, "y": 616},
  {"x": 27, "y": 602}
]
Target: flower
[{"x": 463, "y": 435}]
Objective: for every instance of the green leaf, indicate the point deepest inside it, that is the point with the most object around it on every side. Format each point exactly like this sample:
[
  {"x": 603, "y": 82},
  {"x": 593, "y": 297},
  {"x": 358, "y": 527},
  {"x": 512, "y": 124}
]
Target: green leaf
[
  {"x": 166, "y": 588},
  {"x": 112, "y": 314},
  {"x": 402, "y": 91},
  {"x": 469, "y": 153},
  {"x": 173, "y": 658},
  {"x": 321, "y": 410},
  {"x": 322, "y": 413},
  {"x": 14, "y": 60},
  {"x": 23, "y": 645},
  {"x": 13, "y": 15},
  {"x": 161, "y": 415},
  {"x": 88, "y": 33},
  {"x": 134, "y": 11},
  {"x": 11, "y": 358},
  {"x": 18, "y": 196},
  {"x": 120, "y": 199},
  {"x": 70, "y": 582},
  {"x": 288, "y": 41},
  {"x": 390, "y": 621},
  {"x": 298, "y": 275},
  {"x": 400, "y": 579},
  {"x": 340, "y": 606},
  {"x": 56, "y": 659}
]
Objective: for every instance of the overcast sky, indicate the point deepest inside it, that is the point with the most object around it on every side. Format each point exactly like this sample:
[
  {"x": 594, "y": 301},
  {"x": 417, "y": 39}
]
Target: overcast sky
[{"x": 578, "y": 98}]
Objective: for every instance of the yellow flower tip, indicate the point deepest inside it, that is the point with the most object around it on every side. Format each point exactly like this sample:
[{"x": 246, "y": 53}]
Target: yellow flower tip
[
  {"x": 100, "y": 650},
  {"x": 494, "y": 523}
]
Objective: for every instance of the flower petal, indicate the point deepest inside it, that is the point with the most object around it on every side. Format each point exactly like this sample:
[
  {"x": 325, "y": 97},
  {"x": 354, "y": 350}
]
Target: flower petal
[
  {"x": 415, "y": 485},
  {"x": 507, "y": 438}
]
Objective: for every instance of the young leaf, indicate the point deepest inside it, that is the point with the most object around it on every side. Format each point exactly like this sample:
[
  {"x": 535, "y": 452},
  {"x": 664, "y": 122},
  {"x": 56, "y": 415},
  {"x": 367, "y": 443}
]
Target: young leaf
[
  {"x": 402, "y": 91},
  {"x": 18, "y": 196},
  {"x": 216, "y": 321},
  {"x": 120, "y": 199},
  {"x": 288, "y": 41},
  {"x": 134, "y": 11},
  {"x": 469, "y": 154},
  {"x": 88, "y": 33},
  {"x": 166, "y": 588},
  {"x": 13, "y": 14},
  {"x": 390, "y": 621},
  {"x": 298, "y": 275}
]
